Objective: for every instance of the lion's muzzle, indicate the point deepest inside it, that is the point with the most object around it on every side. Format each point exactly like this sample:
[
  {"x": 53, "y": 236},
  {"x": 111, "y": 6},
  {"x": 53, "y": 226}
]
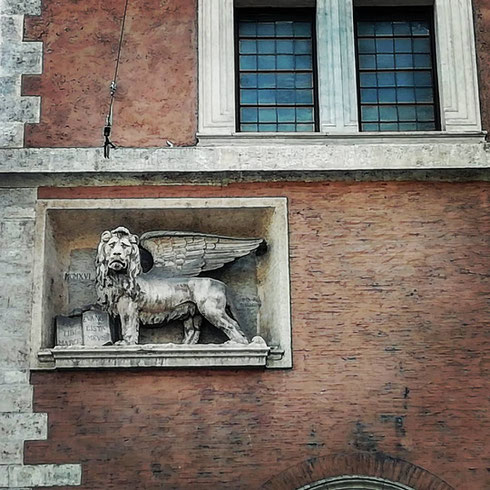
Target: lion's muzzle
[{"x": 117, "y": 264}]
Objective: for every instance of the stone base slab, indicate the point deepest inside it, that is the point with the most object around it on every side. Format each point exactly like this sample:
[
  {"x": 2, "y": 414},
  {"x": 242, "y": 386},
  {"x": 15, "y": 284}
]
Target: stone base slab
[{"x": 158, "y": 355}]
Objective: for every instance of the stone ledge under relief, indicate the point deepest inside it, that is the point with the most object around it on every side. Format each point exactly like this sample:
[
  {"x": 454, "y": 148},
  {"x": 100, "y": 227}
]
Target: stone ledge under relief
[{"x": 230, "y": 354}]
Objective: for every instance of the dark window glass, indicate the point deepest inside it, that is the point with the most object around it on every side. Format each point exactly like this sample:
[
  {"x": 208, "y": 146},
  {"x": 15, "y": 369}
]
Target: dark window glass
[
  {"x": 276, "y": 70},
  {"x": 396, "y": 69}
]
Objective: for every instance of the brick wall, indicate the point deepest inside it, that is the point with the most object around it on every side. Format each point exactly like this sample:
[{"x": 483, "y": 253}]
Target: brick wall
[
  {"x": 157, "y": 87},
  {"x": 390, "y": 324}
]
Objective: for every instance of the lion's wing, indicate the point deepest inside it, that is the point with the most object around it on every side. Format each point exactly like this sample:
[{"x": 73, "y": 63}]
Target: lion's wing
[{"x": 185, "y": 254}]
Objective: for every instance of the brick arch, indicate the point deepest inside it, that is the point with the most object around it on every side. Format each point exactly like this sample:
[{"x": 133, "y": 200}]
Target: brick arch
[{"x": 321, "y": 469}]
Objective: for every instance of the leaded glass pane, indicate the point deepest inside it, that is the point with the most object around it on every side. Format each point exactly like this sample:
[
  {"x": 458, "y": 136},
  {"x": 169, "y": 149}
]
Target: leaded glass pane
[
  {"x": 396, "y": 69},
  {"x": 275, "y": 62}
]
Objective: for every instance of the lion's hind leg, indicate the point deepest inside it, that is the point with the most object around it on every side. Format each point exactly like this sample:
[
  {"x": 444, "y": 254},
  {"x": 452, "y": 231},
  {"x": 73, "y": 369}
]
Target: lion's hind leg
[
  {"x": 217, "y": 316},
  {"x": 192, "y": 329}
]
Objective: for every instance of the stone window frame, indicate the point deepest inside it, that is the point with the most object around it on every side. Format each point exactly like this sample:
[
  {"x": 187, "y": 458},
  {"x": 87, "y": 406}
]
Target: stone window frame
[
  {"x": 273, "y": 286},
  {"x": 455, "y": 54},
  {"x": 347, "y": 482}
]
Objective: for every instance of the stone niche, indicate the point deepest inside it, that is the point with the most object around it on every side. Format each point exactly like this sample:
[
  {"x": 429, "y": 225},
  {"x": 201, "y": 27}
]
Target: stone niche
[{"x": 67, "y": 234}]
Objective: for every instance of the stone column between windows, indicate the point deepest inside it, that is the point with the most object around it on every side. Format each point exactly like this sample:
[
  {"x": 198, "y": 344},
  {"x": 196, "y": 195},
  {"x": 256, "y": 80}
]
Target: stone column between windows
[
  {"x": 216, "y": 67},
  {"x": 337, "y": 91},
  {"x": 456, "y": 66}
]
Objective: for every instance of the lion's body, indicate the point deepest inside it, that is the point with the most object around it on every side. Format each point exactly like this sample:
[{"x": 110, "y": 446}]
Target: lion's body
[
  {"x": 152, "y": 299},
  {"x": 162, "y": 299}
]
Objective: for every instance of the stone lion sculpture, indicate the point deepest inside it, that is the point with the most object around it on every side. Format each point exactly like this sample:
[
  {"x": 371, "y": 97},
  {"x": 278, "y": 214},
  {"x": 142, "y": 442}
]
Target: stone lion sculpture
[{"x": 170, "y": 290}]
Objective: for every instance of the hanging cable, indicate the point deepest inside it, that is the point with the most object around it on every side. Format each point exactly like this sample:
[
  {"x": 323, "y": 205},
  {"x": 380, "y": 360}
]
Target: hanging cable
[{"x": 108, "y": 125}]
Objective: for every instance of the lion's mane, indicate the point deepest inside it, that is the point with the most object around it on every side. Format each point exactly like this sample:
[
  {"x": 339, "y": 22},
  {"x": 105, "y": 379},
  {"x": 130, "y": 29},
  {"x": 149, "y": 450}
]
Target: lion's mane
[{"x": 111, "y": 286}]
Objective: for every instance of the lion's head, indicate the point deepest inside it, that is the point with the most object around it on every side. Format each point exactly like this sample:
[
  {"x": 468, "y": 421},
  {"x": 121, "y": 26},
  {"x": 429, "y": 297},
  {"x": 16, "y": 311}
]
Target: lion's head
[{"x": 117, "y": 264}]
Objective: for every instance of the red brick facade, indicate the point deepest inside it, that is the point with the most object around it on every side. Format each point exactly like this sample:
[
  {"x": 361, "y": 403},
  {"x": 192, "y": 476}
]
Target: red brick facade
[
  {"x": 389, "y": 290},
  {"x": 157, "y": 90},
  {"x": 390, "y": 324}
]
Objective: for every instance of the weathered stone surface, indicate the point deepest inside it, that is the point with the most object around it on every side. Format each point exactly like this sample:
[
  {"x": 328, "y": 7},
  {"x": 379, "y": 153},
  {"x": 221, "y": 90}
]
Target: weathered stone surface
[
  {"x": 12, "y": 135},
  {"x": 347, "y": 156},
  {"x": 16, "y": 398},
  {"x": 11, "y": 451},
  {"x": 18, "y": 204},
  {"x": 15, "y": 319},
  {"x": 17, "y": 423},
  {"x": 230, "y": 354},
  {"x": 14, "y": 352},
  {"x": 4, "y": 476},
  {"x": 19, "y": 59},
  {"x": 96, "y": 328},
  {"x": 8, "y": 376},
  {"x": 26, "y": 426},
  {"x": 19, "y": 109},
  {"x": 80, "y": 278},
  {"x": 69, "y": 330},
  {"x": 44, "y": 475},
  {"x": 10, "y": 86},
  {"x": 20, "y": 7}
]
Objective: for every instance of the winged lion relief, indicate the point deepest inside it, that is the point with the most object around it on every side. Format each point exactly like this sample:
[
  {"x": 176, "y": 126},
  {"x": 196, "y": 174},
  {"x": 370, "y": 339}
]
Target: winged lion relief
[{"x": 172, "y": 289}]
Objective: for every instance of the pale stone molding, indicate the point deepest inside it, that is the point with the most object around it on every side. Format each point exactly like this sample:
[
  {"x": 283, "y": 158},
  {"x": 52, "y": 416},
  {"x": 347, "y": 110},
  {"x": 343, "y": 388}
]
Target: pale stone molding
[
  {"x": 337, "y": 90},
  {"x": 160, "y": 355},
  {"x": 456, "y": 66},
  {"x": 216, "y": 67},
  {"x": 264, "y": 217},
  {"x": 358, "y": 152}
]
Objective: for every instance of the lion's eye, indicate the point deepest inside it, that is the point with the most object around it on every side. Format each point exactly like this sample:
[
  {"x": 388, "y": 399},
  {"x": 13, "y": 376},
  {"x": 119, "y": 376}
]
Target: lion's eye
[{"x": 112, "y": 245}]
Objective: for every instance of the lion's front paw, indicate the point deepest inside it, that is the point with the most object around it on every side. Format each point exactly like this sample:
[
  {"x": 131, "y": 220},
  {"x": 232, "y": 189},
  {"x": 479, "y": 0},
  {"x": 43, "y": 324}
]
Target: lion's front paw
[{"x": 123, "y": 342}]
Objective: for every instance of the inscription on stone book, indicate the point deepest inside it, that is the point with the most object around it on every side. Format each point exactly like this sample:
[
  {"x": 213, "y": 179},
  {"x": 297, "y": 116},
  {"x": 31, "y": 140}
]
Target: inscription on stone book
[
  {"x": 96, "y": 329},
  {"x": 90, "y": 328},
  {"x": 69, "y": 330}
]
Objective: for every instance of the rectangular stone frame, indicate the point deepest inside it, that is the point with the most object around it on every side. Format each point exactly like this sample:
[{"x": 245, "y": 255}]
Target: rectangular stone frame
[
  {"x": 455, "y": 53},
  {"x": 59, "y": 219}
]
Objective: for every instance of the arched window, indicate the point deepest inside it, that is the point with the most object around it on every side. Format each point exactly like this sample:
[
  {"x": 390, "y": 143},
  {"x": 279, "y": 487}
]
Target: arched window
[{"x": 354, "y": 482}]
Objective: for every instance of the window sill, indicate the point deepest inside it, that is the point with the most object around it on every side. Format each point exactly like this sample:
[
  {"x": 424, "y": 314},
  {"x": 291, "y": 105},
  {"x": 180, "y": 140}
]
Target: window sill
[
  {"x": 230, "y": 355},
  {"x": 272, "y": 139}
]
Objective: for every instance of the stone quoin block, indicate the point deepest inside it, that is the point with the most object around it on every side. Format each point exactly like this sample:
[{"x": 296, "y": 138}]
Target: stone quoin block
[
  {"x": 12, "y": 134},
  {"x": 8, "y": 376},
  {"x": 20, "y": 7},
  {"x": 19, "y": 109},
  {"x": 10, "y": 86},
  {"x": 21, "y": 59},
  {"x": 44, "y": 475},
  {"x": 11, "y": 451},
  {"x": 16, "y": 398},
  {"x": 27, "y": 426},
  {"x": 4, "y": 476}
]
